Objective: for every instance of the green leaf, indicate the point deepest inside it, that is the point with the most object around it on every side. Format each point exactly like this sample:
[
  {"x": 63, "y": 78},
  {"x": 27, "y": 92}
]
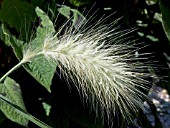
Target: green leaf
[
  {"x": 18, "y": 14},
  {"x": 11, "y": 90},
  {"x": 11, "y": 40},
  {"x": 77, "y": 18},
  {"x": 47, "y": 108},
  {"x": 165, "y": 9},
  {"x": 40, "y": 68},
  {"x": 12, "y": 105},
  {"x": 65, "y": 11},
  {"x": 47, "y": 24},
  {"x": 22, "y": 112},
  {"x": 79, "y": 2},
  {"x": 3, "y": 36}
]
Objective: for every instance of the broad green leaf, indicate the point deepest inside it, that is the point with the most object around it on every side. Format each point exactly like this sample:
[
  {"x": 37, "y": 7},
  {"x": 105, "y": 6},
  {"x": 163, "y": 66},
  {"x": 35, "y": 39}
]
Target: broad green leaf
[
  {"x": 42, "y": 69},
  {"x": 18, "y": 14},
  {"x": 22, "y": 112},
  {"x": 165, "y": 9},
  {"x": 11, "y": 90}
]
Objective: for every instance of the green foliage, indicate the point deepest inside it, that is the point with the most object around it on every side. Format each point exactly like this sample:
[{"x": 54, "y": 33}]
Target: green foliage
[
  {"x": 41, "y": 69},
  {"x": 165, "y": 9},
  {"x": 47, "y": 25},
  {"x": 11, "y": 90},
  {"x": 47, "y": 108},
  {"x": 18, "y": 14},
  {"x": 12, "y": 41},
  {"x": 77, "y": 17},
  {"x": 65, "y": 11},
  {"x": 21, "y": 113},
  {"x": 79, "y": 2},
  {"x": 4, "y": 36},
  {"x": 12, "y": 104}
]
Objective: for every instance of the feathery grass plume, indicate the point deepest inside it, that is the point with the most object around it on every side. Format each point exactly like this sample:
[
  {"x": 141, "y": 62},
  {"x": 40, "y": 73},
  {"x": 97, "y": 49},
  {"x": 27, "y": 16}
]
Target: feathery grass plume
[{"x": 99, "y": 60}]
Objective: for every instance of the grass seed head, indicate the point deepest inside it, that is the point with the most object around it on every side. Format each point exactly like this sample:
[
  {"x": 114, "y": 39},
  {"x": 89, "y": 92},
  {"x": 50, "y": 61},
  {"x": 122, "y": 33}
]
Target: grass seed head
[{"x": 98, "y": 58}]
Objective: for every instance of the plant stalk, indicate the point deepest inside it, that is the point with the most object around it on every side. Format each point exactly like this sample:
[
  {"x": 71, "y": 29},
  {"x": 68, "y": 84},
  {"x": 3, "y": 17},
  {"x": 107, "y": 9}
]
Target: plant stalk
[{"x": 11, "y": 70}]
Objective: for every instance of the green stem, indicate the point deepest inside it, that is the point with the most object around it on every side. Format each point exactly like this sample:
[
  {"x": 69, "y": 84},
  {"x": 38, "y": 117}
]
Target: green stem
[{"x": 10, "y": 71}]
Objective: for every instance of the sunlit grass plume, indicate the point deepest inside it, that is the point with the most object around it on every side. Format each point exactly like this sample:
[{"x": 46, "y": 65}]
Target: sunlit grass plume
[{"x": 100, "y": 60}]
